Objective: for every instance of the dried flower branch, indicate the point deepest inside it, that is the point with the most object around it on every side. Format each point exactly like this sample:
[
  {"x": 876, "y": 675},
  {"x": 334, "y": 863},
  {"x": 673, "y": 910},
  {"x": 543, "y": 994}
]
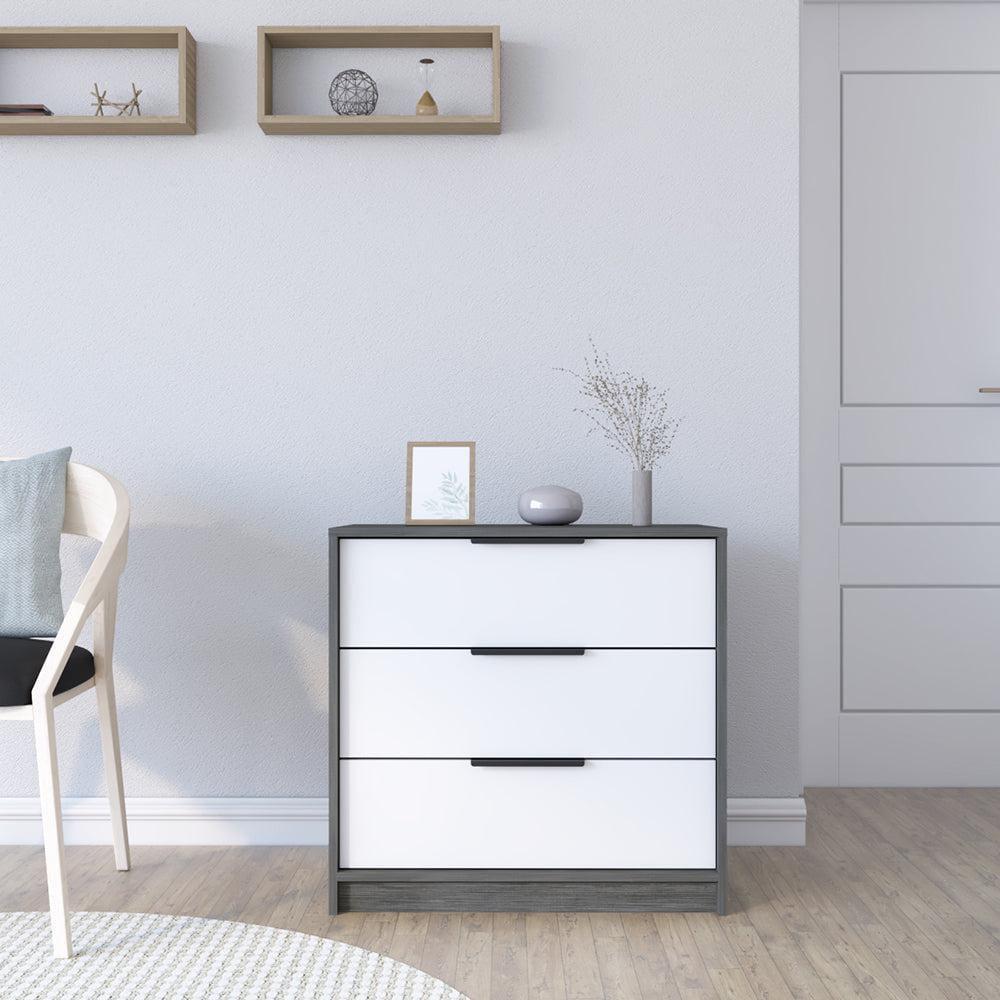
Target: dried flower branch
[{"x": 628, "y": 412}]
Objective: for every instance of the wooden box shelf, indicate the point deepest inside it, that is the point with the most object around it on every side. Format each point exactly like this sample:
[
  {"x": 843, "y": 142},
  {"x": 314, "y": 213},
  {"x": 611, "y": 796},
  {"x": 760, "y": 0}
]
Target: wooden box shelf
[
  {"x": 463, "y": 37},
  {"x": 179, "y": 38}
]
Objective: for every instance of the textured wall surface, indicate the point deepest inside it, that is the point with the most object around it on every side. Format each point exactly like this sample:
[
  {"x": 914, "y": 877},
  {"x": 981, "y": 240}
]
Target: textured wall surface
[{"x": 246, "y": 329}]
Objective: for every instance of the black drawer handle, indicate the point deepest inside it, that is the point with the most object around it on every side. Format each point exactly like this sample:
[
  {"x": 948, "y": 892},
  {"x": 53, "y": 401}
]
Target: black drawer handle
[
  {"x": 527, "y": 762},
  {"x": 527, "y": 651},
  {"x": 527, "y": 540}
]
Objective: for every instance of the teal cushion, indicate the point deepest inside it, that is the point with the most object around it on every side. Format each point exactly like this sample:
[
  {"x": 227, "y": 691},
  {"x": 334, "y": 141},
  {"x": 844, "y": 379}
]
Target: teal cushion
[{"x": 32, "y": 505}]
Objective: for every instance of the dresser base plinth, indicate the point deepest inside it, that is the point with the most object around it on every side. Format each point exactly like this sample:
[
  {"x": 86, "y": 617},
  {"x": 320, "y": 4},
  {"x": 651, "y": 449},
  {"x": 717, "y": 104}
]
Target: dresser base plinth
[{"x": 521, "y": 896}]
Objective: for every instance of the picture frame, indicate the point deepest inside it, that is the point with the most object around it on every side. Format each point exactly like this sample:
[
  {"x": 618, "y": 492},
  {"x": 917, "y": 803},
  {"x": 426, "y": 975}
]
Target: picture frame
[{"x": 441, "y": 482}]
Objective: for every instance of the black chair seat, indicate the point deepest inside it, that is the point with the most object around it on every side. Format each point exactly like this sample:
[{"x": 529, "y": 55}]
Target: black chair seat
[{"x": 21, "y": 662}]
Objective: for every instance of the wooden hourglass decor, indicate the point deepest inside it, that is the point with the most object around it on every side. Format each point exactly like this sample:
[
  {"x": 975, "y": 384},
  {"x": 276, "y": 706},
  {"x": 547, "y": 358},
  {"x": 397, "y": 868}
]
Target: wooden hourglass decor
[{"x": 426, "y": 105}]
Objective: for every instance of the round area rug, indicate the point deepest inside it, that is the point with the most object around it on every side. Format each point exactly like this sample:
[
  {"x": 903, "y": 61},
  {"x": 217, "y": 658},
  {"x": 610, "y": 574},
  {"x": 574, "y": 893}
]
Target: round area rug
[{"x": 145, "y": 956}]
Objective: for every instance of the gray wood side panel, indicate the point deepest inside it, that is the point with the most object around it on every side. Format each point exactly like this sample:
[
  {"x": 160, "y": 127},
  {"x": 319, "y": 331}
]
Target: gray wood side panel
[
  {"x": 334, "y": 696},
  {"x": 721, "y": 746}
]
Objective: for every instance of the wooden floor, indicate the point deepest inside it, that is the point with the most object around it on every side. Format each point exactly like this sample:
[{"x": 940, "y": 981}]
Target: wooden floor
[{"x": 897, "y": 895}]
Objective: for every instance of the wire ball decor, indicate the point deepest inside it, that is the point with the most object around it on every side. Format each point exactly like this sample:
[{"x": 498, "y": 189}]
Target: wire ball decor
[{"x": 353, "y": 92}]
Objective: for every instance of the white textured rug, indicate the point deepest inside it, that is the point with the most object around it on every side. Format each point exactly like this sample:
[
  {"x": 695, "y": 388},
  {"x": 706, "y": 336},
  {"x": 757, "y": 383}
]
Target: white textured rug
[{"x": 144, "y": 956}]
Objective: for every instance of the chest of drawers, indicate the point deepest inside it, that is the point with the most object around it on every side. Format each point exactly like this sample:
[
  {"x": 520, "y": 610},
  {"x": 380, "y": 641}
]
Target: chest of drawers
[{"x": 527, "y": 718}]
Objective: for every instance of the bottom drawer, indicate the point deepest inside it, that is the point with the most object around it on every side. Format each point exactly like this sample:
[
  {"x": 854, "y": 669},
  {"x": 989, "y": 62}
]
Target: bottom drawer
[{"x": 606, "y": 814}]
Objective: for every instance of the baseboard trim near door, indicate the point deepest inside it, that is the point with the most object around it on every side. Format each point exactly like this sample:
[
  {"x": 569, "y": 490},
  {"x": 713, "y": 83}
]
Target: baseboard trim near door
[
  {"x": 766, "y": 822},
  {"x": 249, "y": 821}
]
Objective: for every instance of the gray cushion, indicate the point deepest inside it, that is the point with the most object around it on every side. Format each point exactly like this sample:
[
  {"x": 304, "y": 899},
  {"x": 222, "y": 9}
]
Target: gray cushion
[{"x": 32, "y": 505}]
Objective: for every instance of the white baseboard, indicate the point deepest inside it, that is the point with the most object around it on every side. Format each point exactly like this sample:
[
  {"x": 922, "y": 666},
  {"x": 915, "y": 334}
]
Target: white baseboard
[
  {"x": 752, "y": 822},
  {"x": 766, "y": 822},
  {"x": 174, "y": 821}
]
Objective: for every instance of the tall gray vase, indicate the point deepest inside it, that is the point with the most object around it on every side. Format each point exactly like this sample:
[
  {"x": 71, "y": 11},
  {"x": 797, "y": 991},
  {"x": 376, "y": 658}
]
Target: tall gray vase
[{"x": 642, "y": 496}]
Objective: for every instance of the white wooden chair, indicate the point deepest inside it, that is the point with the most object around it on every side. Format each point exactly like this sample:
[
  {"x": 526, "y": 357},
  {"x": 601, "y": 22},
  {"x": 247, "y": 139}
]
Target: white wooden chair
[{"x": 97, "y": 506}]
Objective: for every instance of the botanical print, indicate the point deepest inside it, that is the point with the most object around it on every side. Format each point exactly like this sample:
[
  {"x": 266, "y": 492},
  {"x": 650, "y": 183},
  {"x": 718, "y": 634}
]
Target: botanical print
[
  {"x": 452, "y": 500},
  {"x": 441, "y": 482}
]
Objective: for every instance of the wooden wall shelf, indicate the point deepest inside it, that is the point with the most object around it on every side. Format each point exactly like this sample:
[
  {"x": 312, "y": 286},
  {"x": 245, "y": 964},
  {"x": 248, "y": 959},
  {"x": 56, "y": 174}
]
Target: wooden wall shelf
[
  {"x": 183, "y": 123},
  {"x": 463, "y": 37}
]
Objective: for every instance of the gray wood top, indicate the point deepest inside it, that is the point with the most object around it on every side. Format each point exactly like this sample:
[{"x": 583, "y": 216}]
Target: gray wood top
[{"x": 527, "y": 531}]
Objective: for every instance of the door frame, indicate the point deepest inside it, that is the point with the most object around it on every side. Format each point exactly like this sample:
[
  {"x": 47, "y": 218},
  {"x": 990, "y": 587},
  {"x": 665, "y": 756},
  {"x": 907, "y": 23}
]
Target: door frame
[{"x": 819, "y": 391}]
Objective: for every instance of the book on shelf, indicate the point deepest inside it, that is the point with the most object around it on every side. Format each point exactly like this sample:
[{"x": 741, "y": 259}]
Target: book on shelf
[{"x": 24, "y": 109}]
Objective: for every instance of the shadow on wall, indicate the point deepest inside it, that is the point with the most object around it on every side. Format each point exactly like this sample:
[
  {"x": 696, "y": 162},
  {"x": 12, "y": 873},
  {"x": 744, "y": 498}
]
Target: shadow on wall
[
  {"x": 525, "y": 85},
  {"x": 221, "y": 666},
  {"x": 763, "y": 586}
]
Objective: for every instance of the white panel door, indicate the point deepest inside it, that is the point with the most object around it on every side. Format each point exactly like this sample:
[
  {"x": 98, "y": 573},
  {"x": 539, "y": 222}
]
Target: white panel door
[
  {"x": 921, "y": 295},
  {"x": 900, "y": 448}
]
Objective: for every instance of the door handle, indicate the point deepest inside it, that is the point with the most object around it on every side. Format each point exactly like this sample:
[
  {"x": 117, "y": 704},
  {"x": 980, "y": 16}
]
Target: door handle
[
  {"x": 527, "y": 651},
  {"x": 527, "y": 540},
  {"x": 527, "y": 762},
  {"x": 990, "y": 388}
]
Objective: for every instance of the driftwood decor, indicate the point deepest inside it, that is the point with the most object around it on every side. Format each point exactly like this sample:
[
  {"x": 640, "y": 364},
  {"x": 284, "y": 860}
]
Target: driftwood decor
[{"x": 126, "y": 108}]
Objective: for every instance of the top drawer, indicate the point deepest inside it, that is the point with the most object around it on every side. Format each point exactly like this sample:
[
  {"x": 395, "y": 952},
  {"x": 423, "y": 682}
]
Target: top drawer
[{"x": 426, "y": 592}]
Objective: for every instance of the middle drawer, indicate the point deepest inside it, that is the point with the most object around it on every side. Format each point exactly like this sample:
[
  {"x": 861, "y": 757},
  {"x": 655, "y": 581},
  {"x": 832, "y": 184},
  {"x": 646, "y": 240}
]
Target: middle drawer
[{"x": 450, "y": 703}]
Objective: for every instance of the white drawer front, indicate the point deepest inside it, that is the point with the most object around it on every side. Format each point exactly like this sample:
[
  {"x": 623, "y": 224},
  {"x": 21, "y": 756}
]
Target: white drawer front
[
  {"x": 448, "y": 703},
  {"x": 448, "y": 814},
  {"x": 450, "y": 592}
]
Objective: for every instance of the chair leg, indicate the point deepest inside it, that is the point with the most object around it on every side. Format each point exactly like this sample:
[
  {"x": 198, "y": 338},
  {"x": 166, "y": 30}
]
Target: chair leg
[
  {"x": 107, "y": 713},
  {"x": 55, "y": 860}
]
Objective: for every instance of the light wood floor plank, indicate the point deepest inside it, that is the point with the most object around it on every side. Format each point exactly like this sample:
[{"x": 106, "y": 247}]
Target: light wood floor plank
[
  {"x": 652, "y": 970},
  {"x": 315, "y": 917},
  {"x": 474, "y": 963},
  {"x": 952, "y": 939},
  {"x": 196, "y": 868},
  {"x": 583, "y": 977},
  {"x": 617, "y": 971},
  {"x": 237, "y": 874},
  {"x": 277, "y": 874},
  {"x": 509, "y": 975},
  {"x": 440, "y": 957},
  {"x": 939, "y": 849},
  {"x": 790, "y": 945},
  {"x": 787, "y": 876},
  {"x": 909, "y": 933},
  {"x": 154, "y": 870},
  {"x": 13, "y": 860},
  {"x": 732, "y": 984},
  {"x": 686, "y": 965},
  {"x": 408, "y": 937},
  {"x": 346, "y": 927},
  {"x": 607, "y": 925},
  {"x": 546, "y": 979},
  {"x": 109, "y": 889},
  {"x": 376, "y": 931},
  {"x": 89, "y": 878},
  {"x": 754, "y": 958},
  {"x": 296, "y": 896}
]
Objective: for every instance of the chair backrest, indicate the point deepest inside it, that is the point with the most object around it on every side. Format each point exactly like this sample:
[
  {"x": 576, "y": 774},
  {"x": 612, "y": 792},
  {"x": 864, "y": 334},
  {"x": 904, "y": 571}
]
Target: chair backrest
[{"x": 96, "y": 503}]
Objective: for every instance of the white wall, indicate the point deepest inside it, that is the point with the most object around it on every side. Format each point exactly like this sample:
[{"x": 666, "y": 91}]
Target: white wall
[{"x": 247, "y": 329}]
